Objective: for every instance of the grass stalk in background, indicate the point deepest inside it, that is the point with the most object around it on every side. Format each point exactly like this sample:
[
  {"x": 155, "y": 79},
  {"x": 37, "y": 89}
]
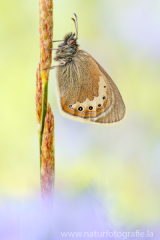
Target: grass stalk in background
[{"x": 45, "y": 119}]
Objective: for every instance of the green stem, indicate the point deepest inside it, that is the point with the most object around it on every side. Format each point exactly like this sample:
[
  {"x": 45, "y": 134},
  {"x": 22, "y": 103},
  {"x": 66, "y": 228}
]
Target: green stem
[{"x": 44, "y": 111}]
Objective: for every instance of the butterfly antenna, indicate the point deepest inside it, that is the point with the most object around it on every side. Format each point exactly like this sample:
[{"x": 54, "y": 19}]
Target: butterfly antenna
[{"x": 76, "y": 24}]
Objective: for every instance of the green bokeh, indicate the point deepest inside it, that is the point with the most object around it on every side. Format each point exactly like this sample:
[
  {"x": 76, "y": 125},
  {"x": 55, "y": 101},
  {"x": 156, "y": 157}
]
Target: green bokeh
[{"x": 119, "y": 162}]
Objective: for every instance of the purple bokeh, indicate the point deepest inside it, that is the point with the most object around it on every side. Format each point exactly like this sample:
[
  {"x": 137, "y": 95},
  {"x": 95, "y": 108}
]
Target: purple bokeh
[{"x": 85, "y": 213}]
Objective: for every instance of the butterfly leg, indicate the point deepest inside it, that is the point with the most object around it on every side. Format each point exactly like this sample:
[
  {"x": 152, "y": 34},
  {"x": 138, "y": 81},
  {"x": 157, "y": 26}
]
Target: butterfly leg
[
  {"x": 61, "y": 64},
  {"x": 58, "y": 41},
  {"x": 52, "y": 48},
  {"x": 61, "y": 49}
]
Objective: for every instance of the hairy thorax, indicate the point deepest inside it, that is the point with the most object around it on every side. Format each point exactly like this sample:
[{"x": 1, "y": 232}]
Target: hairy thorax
[{"x": 67, "y": 54}]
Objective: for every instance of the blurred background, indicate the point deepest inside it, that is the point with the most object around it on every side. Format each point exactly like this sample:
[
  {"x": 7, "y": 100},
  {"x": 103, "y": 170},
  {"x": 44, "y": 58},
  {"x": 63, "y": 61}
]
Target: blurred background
[{"x": 106, "y": 176}]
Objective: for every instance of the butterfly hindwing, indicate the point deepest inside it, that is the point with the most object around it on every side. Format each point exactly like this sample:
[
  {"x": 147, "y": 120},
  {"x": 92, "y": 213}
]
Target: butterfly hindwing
[
  {"x": 87, "y": 92},
  {"x": 117, "y": 111}
]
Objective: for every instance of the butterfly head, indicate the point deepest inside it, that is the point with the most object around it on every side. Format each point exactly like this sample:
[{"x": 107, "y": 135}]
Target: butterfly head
[{"x": 69, "y": 45}]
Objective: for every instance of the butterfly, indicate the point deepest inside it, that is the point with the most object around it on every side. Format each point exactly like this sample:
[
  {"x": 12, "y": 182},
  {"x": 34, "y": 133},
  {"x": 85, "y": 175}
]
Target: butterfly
[{"x": 86, "y": 91}]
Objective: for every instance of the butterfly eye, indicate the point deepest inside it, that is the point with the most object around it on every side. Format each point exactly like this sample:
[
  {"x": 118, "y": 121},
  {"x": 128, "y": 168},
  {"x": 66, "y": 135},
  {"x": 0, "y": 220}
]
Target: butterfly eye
[
  {"x": 90, "y": 108},
  {"x": 99, "y": 105},
  {"x": 104, "y": 97},
  {"x": 71, "y": 42}
]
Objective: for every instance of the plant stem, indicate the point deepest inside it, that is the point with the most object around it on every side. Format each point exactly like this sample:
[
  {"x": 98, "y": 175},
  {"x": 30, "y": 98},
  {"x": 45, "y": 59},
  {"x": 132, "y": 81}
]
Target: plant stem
[
  {"x": 48, "y": 159},
  {"x": 43, "y": 114},
  {"x": 45, "y": 118}
]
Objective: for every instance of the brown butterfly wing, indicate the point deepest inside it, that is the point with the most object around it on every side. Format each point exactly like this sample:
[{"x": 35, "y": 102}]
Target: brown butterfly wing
[
  {"x": 117, "y": 110},
  {"x": 87, "y": 92}
]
